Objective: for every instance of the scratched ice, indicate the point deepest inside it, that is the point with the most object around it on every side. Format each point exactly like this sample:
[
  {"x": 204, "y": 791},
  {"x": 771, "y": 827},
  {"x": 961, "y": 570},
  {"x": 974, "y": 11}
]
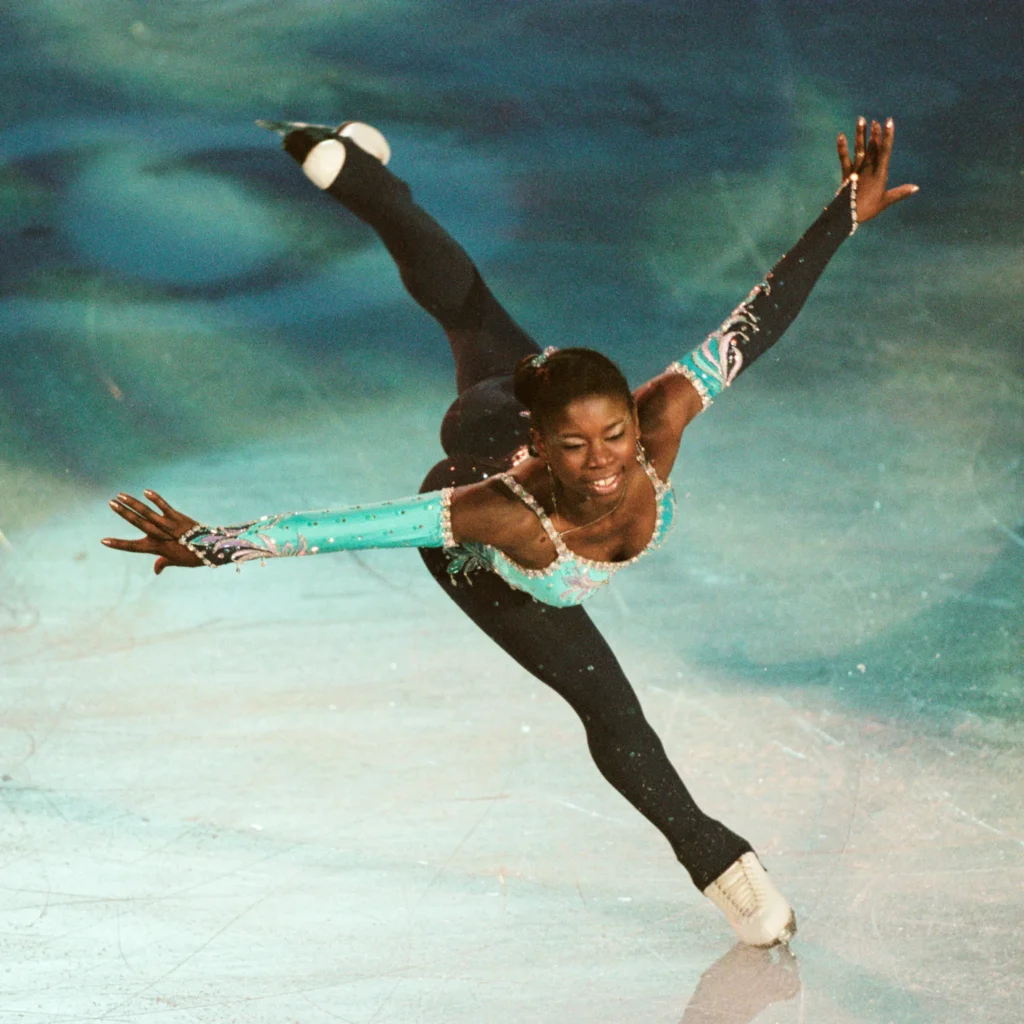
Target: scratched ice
[{"x": 313, "y": 792}]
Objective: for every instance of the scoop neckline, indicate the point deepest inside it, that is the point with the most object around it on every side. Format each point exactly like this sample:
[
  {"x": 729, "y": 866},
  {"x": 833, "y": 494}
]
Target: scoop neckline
[{"x": 662, "y": 488}]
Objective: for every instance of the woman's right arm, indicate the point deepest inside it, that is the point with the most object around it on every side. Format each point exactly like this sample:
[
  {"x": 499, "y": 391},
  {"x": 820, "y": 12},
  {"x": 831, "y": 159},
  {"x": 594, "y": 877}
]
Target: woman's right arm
[
  {"x": 422, "y": 520},
  {"x": 481, "y": 512}
]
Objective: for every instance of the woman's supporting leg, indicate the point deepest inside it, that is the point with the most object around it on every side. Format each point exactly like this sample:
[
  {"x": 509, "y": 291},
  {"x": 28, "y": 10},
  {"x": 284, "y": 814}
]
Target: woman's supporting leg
[
  {"x": 486, "y": 342},
  {"x": 564, "y": 650}
]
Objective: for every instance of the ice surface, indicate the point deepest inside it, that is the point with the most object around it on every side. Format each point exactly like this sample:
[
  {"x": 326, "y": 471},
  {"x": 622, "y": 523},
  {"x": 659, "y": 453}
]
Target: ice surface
[{"x": 311, "y": 791}]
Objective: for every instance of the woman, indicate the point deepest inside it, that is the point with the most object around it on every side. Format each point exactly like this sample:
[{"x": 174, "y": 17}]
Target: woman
[{"x": 539, "y": 512}]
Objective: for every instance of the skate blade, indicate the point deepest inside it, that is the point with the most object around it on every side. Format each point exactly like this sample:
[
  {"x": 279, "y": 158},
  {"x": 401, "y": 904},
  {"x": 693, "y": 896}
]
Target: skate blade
[
  {"x": 787, "y": 933},
  {"x": 282, "y": 128}
]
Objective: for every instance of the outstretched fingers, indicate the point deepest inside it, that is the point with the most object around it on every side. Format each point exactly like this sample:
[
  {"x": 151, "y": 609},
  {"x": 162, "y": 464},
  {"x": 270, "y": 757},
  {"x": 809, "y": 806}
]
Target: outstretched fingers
[
  {"x": 859, "y": 140},
  {"x": 876, "y": 144},
  {"x": 162, "y": 531},
  {"x": 141, "y": 546},
  {"x": 894, "y": 195},
  {"x": 872, "y": 149},
  {"x": 845, "y": 163},
  {"x": 869, "y": 161},
  {"x": 167, "y": 509},
  {"x": 142, "y": 516},
  {"x": 885, "y": 147}
]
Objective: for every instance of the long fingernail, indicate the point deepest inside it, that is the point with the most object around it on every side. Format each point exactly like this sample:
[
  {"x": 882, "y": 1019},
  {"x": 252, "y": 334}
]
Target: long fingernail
[
  {"x": 915, "y": 190},
  {"x": 889, "y": 123},
  {"x": 861, "y": 121}
]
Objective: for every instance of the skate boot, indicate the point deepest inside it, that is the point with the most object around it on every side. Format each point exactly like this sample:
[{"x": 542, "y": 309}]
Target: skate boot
[
  {"x": 757, "y": 911},
  {"x": 321, "y": 152}
]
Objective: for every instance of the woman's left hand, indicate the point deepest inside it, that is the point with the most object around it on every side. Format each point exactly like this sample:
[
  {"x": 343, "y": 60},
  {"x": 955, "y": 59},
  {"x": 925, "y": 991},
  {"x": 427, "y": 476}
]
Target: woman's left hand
[{"x": 871, "y": 165}]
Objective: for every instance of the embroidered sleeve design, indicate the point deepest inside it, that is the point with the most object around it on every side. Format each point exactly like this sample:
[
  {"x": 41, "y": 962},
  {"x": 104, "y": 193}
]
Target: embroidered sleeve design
[
  {"x": 714, "y": 364},
  {"x": 219, "y": 545}
]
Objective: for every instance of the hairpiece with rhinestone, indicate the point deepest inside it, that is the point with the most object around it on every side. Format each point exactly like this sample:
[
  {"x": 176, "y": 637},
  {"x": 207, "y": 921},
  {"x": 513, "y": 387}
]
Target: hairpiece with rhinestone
[{"x": 542, "y": 357}]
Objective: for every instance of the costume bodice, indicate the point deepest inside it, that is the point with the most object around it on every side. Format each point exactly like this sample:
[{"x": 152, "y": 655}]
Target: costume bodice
[{"x": 571, "y": 578}]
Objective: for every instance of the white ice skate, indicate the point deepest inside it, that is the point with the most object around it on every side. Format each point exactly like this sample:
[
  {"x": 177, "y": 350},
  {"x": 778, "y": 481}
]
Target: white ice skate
[
  {"x": 324, "y": 161},
  {"x": 757, "y": 911}
]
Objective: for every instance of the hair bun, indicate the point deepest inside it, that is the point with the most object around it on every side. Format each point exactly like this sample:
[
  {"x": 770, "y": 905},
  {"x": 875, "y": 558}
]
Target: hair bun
[
  {"x": 527, "y": 377},
  {"x": 548, "y": 381}
]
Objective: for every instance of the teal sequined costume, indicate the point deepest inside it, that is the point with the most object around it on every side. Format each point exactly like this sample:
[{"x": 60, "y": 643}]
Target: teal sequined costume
[
  {"x": 424, "y": 521},
  {"x": 570, "y": 579},
  {"x": 551, "y": 637}
]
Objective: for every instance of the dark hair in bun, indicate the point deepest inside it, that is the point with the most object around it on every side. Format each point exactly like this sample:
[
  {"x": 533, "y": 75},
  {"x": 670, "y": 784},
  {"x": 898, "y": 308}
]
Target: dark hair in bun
[{"x": 546, "y": 384}]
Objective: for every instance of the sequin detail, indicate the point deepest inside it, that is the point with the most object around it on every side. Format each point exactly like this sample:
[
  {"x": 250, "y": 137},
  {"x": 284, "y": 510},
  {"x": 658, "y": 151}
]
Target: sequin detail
[
  {"x": 417, "y": 521},
  {"x": 852, "y": 181},
  {"x": 219, "y": 545},
  {"x": 542, "y": 357},
  {"x": 715, "y": 363},
  {"x": 447, "y": 537}
]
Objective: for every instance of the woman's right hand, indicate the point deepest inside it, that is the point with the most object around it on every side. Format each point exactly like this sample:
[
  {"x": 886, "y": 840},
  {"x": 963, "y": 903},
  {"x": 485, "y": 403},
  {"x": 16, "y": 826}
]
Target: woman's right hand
[{"x": 162, "y": 530}]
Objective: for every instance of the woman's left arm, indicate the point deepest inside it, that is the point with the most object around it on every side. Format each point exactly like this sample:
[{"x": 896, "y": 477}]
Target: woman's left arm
[{"x": 669, "y": 402}]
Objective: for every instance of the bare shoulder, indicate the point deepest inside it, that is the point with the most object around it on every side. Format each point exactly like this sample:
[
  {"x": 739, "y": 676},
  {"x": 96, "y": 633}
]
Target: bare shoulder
[
  {"x": 490, "y": 513},
  {"x": 666, "y": 405}
]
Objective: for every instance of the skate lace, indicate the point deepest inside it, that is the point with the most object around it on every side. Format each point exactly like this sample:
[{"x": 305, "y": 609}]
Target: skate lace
[{"x": 742, "y": 888}]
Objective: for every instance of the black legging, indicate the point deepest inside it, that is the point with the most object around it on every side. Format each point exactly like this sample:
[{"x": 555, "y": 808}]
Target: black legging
[{"x": 560, "y": 646}]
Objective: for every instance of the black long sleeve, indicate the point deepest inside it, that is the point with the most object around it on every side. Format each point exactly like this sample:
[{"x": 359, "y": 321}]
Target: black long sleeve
[{"x": 763, "y": 316}]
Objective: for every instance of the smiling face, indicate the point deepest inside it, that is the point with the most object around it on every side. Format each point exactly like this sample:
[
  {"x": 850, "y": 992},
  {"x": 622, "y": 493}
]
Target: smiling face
[{"x": 590, "y": 446}]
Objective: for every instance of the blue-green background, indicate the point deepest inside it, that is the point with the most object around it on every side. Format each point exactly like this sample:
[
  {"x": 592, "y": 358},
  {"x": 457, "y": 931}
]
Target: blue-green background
[{"x": 173, "y": 289}]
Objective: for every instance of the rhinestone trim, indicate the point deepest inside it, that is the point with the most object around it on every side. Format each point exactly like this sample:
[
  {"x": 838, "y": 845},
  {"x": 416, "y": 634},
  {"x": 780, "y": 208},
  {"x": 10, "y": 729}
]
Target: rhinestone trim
[
  {"x": 852, "y": 181},
  {"x": 185, "y": 540},
  {"x": 699, "y": 386},
  {"x": 447, "y": 537},
  {"x": 565, "y": 553}
]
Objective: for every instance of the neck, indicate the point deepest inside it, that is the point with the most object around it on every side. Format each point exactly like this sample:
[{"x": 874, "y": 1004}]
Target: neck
[{"x": 589, "y": 509}]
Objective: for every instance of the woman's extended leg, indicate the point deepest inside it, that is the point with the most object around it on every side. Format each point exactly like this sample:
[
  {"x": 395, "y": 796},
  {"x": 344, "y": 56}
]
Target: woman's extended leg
[
  {"x": 560, "y": 646},
  {"x": 486, "y": 342},
  {"x": 563, "y": 649}
]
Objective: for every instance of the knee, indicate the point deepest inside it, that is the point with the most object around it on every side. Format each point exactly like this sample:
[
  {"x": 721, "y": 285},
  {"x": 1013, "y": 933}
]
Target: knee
[
  {"x": 620, "y": 729},
  {"x": 442, "y": 284}
]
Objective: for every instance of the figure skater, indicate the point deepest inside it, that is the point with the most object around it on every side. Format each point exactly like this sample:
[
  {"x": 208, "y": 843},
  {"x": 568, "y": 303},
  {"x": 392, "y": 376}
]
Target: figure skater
[{"x": 556, "y": 477}]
